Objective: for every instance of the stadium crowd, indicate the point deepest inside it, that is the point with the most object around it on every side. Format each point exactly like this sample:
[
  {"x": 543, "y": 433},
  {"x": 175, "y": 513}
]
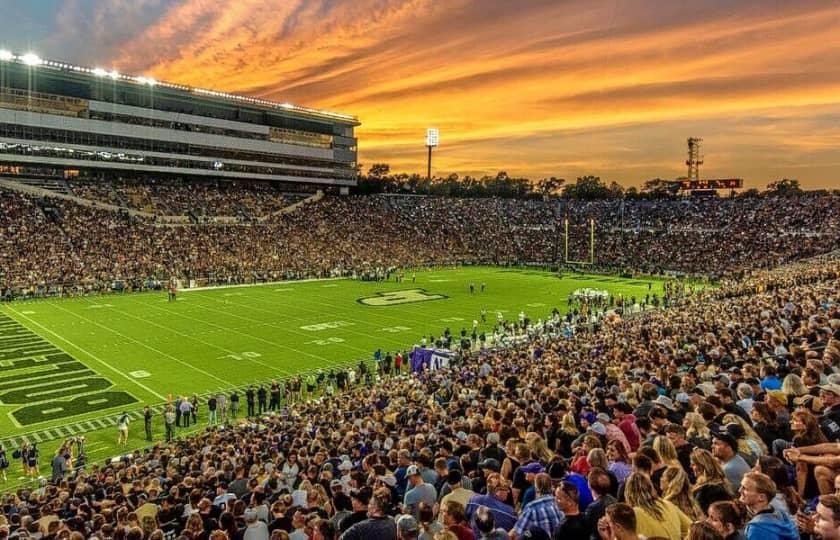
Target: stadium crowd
[
  {"x": 715, "y": 418},
  {"x": 182, "y": 197},
  {"x": 53, "y": 245}
]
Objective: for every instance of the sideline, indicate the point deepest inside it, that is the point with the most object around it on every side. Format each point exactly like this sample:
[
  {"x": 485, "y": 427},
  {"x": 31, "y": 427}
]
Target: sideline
[{"x": 263, "y": 284}]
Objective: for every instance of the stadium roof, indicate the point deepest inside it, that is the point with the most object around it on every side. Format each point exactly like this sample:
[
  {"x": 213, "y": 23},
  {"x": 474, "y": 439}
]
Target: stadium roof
[{"x": 32, "y": 60}]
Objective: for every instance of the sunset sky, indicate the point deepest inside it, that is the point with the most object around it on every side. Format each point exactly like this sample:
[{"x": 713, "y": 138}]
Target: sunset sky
[{"x": 534, "y": 87}]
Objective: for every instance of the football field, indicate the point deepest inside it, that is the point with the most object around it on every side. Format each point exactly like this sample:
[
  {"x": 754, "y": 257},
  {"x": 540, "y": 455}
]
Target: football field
[{"x": 69, "y": 366}]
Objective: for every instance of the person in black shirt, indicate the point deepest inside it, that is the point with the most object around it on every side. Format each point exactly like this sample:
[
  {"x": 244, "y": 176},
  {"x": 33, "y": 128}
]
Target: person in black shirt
[
  {"x": 359, "y": 499},
  {"x": 830, "y": 419},
  {"x": 599, "y": 484},
  {"x": 147, "y": 422},
  {"x": 234, "y": 404},
  {"x": 378, "y": 525},
  {"x": 262, "y": 399},
  {"x": 574, "y": 526},
  {"x": 274, "y": 404},
  {"x": 249, "y": 399}
]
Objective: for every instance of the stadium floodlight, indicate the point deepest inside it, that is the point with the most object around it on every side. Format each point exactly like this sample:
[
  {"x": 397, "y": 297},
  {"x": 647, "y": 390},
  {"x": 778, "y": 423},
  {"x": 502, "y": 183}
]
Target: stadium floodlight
[
  {"x": 31, "y": 59},
  {"x": 151, "y": 82},
  {"x": 432, "y": 140},
  {"x": 432, "y": 137},
  {"x": 114, "y": 75},
  {"x": 99, "y": 72},
  {"x": 5, "y": 55}
]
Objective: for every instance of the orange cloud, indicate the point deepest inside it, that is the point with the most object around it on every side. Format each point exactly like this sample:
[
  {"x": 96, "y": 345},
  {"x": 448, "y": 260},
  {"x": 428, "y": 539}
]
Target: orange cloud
[{"x": 515, "y": 85}]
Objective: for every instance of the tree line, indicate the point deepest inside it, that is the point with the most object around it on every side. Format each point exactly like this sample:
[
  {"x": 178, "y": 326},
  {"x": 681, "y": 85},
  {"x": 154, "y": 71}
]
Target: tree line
[{"x": 379, "y": 179}]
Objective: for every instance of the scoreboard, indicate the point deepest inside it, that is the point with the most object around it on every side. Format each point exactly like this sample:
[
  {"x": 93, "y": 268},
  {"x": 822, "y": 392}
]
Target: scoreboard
[{"x": 717, "y": 183}]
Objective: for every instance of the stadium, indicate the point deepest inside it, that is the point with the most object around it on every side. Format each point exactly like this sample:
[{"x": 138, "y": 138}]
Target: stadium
[{"x": 213, "y": 326}]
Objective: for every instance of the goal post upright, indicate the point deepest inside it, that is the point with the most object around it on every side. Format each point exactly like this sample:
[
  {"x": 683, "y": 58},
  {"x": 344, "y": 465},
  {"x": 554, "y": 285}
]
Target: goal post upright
[
  {"x": 591, "y": 259},
  {"x": 566, "y": 240}
]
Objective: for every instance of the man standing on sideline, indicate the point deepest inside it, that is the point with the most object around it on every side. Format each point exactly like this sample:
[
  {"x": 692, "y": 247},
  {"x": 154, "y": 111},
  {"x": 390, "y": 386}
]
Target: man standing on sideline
[
  {"x": 262, "y": 399},
  {"x": 212, "y": 406},
  {"x": 169, "y": 422},
  {"x": 249, "y": 400},
  {"x": 147, "y": 422},
  {"x": 274, "y": 404},
  {"x": 221, "y": 404},
  {"x": 178, "y": 411},
  {"x": 185, "y": 408},
  {"x": 377, "y": 360},
  {"x": 59, "y": 466},
  {"x": 234, "y": 404},
  {"x": 398, "y": 361}
]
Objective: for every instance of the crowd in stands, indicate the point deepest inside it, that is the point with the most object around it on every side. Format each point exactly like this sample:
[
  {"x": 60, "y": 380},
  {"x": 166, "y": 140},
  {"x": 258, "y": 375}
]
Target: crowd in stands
[
  {"x": 715, "y": 418},
  {"x": 182, "y": 197},
  {"x": 54, "y": 245}
]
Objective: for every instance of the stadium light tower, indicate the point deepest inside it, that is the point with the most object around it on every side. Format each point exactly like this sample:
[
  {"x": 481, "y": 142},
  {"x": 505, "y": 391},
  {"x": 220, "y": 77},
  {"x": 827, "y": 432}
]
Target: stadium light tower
[
  {"x": 694, "y": 158},
  {"x": 31, "y": 59},
  {"x": 432, "y": 140}
]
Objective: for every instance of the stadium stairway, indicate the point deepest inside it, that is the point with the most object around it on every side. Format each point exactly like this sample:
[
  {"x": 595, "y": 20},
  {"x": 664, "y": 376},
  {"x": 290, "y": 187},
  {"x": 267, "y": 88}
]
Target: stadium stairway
[
  {"x": 15, "y": 184},
  {"x": 53, "y": 185},
  {"x": 292, "y": 207}
]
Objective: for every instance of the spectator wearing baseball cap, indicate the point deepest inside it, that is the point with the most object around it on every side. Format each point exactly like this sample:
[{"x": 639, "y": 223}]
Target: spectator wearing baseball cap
[
  {"x": 417, "y": 491},
  {"x": 830, "y": 419},
  {"x": 725, "y": 450},
  {"x": 407, "y": 527},
  {"x": 612, "y": 431}
]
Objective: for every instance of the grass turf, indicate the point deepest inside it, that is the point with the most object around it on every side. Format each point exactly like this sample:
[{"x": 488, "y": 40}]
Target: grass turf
[{"x": 96, "y": 356}]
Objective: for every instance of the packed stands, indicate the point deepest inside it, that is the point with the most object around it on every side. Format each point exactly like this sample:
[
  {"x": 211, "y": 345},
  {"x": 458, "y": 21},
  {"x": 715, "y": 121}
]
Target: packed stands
[
  {"x": 182, "y": 197},
  {"x": 54, "y": 245},
  {"x": 711, "y": 414}
]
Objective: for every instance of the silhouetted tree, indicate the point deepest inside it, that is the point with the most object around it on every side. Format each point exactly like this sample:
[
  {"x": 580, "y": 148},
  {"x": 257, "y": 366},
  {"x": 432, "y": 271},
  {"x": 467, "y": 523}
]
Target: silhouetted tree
[{"x": 786, "y": 187}]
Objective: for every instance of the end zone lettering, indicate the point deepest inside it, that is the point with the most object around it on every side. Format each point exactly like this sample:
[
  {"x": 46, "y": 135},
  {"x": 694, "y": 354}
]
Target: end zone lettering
[{"x": 47, "y": 383}]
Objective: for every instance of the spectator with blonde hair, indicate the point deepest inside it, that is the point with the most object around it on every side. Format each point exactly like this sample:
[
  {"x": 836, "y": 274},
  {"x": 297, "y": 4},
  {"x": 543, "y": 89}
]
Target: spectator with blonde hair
[
  {"x": 756, "y": 492},
  {"x": 676, "y": 487},
  {"x": 711, "y": 484},
  {"x": 654, "y": 516}
]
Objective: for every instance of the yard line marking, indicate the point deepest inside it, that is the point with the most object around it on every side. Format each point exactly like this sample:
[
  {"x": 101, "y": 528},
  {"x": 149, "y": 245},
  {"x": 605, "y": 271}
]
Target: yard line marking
[
  {"x": 285, "y": 328},
  {"x": 292, "y": 330},
  {"x": 160, "y": 352},
  {"x": 274, "y": 368},
  {"x": 96, "y": 358},
  {"x": 344, "y": 309}
]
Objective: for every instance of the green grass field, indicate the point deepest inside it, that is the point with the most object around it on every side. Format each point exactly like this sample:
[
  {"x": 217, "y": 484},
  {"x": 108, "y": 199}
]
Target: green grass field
[{"x": 69, "y": 366}]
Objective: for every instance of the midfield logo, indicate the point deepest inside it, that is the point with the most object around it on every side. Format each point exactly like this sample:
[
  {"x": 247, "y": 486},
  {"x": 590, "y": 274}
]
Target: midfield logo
[{"x": 393, "y": 298}]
